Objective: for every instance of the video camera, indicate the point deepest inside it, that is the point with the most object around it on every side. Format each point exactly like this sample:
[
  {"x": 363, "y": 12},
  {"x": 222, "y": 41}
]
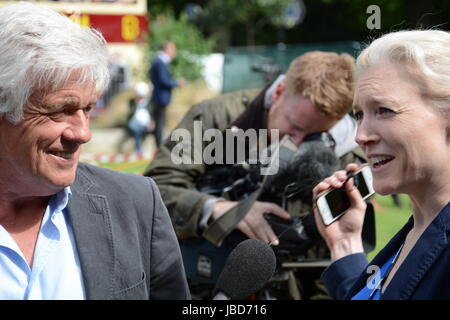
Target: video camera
[{"x": 300, "y": 169}]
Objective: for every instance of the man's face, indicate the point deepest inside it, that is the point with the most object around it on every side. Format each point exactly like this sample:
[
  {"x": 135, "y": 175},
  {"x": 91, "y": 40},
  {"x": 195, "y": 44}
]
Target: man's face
[
  {"x": 296, "y": 116},
  {"x": 171, "y": 50},
  {"x": 39, "y": 155}
]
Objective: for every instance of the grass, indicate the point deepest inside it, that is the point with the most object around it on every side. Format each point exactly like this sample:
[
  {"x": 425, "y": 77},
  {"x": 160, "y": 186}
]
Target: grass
[
  {"x": 388, "y": 218},
  {"x": 137, "y": 167}
]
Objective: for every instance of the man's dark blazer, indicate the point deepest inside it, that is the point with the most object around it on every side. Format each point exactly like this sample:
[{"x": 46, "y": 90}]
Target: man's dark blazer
[
  {"x": 424, "y": 274},
  {"x": 125, "y": 240},
  {"x": 162, "y": 83}
]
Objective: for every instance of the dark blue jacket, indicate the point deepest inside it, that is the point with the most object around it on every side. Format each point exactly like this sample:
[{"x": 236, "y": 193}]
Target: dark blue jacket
[
  {"x": 162, "y": 82},
  {"x": 424, "y": 274}
]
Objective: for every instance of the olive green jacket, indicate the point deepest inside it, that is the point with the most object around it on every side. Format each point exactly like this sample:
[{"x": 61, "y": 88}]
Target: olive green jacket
[{"x": 176, "y": 181}]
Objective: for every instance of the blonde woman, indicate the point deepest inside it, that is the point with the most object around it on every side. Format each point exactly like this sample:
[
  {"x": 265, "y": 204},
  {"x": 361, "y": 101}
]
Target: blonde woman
[{"x": 402, "y": 105}]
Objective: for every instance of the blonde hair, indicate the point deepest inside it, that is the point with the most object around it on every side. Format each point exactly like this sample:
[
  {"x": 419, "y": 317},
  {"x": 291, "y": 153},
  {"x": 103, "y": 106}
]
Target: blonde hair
[
  {"x": 326, "y": 78},
  {"x": 425, "y": 54}
]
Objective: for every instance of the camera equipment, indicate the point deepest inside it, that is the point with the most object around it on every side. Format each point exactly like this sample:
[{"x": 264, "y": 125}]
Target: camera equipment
[{"x": 300, "y": 169}]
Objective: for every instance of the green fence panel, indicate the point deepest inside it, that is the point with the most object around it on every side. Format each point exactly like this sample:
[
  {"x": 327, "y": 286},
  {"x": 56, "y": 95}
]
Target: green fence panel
[{"x": 253, "y": 67}]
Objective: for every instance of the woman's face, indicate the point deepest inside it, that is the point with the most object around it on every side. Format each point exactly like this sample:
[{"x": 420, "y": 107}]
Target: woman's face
[{"x": 403, "y": 135}]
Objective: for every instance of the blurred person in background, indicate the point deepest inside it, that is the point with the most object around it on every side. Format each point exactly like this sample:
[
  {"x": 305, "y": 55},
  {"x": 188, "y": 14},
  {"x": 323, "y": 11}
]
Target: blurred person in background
[
  {"x": 70, "y": 230},
  {"x": 402, "y": 105},
  {"x": 140, "y": 122},
  {"x": 120, "y": 78},
  {"x": 163, "y": 83}
]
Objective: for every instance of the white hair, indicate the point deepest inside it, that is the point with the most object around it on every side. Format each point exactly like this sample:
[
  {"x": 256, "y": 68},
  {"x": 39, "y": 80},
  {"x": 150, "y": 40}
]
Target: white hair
[
  {"x": 39, "y": 50},
  {"x": 424, "y": 53}
]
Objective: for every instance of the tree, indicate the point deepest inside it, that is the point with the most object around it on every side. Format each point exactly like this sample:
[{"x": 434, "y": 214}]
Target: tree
[
  {"x": 188, "y": 39},
  {"x": 254, "y": 22},
  {"x": 220, "y": 16}
]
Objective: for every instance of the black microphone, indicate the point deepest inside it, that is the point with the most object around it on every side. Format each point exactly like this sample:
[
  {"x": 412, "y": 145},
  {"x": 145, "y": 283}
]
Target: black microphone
[
  {"x": 312, "y": 162},
  {"x": 247, "y": 269}
]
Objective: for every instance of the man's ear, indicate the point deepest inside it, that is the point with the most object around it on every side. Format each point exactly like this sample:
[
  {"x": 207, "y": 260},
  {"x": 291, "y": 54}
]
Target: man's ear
[
  {"x": 447, "y": 129},
  {"x": 278, "y": 91}
]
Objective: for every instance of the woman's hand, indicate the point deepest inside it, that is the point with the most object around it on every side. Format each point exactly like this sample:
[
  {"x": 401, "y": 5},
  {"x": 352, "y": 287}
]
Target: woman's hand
[{"x": 343, "y": 236}]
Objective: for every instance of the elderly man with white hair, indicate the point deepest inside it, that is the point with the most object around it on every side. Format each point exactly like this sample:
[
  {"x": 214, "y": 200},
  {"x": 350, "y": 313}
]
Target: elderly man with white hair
[{"x": 70, "y": 230}]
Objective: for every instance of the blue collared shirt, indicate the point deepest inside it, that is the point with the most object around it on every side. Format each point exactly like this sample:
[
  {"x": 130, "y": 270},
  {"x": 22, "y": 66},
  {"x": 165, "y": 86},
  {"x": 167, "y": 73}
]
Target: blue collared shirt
[
  {"x": 373, "y": 291},
  {"x": 56, "y": 272},
  {"x": 164, "y": 57}
]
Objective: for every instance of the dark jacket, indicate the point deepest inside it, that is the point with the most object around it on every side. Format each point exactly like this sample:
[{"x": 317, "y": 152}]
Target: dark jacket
[
  {"x": 125, "y": 240},
  {"x": 424, "y": 274},
  {"x": 162, "y": 83}
]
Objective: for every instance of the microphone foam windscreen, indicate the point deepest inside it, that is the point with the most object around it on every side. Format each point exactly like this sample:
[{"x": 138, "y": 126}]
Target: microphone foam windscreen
[
  {"x": 312, "y": 162},
  {"x": 247, "y": 269}
]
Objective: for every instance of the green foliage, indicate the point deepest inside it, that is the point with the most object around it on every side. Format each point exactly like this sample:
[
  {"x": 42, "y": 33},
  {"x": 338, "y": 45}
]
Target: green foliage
[
  {"x": 254, "y": 22},
  {"x": 233, "y": 11},
  {"x": 219, "y": 17},
  {"x": 188, "y": 39}
]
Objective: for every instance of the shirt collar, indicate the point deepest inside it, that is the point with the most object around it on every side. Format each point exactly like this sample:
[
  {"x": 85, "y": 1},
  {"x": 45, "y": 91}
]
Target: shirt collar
[
  {"x": 164, "y": 57},
  {"x": 59, "y": 201}
]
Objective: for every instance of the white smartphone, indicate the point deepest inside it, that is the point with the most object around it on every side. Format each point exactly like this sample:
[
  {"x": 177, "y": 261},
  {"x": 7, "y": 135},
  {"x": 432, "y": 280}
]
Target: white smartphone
[{"x": 334, "y": 203}]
